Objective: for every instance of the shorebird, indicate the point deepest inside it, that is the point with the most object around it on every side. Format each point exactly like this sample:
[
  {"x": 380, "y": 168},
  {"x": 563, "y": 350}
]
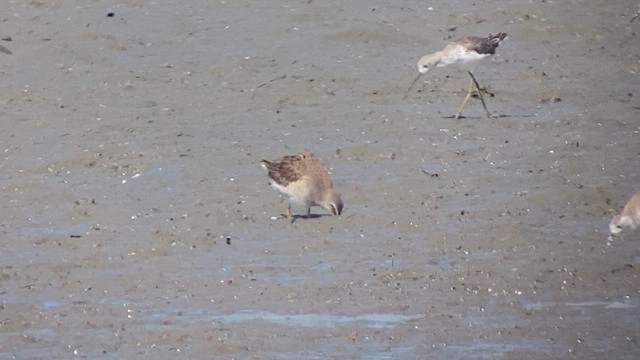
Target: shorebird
[
  {"x": 629, "y": 217},
  {"x": 304, "y": 178},
  {"x": 460, "y": 51}
]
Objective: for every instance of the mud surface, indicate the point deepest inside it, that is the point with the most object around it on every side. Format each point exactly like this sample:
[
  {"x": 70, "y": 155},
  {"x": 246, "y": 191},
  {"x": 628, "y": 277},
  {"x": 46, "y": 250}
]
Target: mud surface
[{"x": 136, "y": 220}]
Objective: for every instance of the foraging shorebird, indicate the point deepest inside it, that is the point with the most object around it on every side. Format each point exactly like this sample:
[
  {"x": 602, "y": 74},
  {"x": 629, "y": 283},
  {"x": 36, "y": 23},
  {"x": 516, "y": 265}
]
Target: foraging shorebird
[
  {"x": 629, "y": 217},
  {"x": 464, "y": 50},
  {"x": 304, "y": 178}
]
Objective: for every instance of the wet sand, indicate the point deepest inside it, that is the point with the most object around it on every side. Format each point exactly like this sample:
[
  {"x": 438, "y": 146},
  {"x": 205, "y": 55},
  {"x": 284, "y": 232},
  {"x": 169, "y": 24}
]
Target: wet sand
[{"x": 137, "y": 220}]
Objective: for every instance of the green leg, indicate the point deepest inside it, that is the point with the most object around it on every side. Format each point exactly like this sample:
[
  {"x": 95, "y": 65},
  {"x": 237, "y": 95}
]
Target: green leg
[
  {"x": 473, "y": 78},
  {"x": 466, "y": 98}
]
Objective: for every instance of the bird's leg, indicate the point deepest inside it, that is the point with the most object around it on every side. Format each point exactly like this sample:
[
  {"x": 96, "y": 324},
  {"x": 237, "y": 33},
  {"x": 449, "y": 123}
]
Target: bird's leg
[
  {"x": 309, "y": 211},
  {"x": 475, "y": 82},
  {"x": 466, "y": 98},
  {"x": 289, "y": 216}
]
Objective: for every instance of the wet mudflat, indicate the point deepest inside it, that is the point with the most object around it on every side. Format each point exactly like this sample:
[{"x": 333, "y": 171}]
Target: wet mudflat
[{"x": 137, "y": 220}]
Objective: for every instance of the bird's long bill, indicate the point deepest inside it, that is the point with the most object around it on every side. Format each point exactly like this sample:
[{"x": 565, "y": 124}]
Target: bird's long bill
[{"x": 414, "y": 82}]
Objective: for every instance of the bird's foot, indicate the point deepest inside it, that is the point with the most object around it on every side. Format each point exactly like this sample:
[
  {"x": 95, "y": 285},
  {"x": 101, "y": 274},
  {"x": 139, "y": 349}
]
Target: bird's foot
[{"x": 485, "y": 91}]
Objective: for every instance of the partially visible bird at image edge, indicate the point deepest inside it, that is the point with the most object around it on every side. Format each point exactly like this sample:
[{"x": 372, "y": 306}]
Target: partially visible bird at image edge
[{"x": 628, "y": 218}]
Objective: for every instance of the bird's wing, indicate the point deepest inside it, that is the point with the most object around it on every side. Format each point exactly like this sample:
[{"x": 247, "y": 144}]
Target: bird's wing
[
  {"x": 289, "y": 169},
  {"x": 486, "y": 45}
]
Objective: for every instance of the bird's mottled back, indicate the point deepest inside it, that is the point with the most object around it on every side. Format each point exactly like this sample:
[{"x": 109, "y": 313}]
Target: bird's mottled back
[
  {"x": 486, "y": 45},
  {"x": 285, "y": 171}
]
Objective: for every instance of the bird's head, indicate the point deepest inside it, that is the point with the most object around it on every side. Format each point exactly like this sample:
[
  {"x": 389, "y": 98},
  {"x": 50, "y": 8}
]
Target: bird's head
[
  {"x": 615, "y": 226},
  {"x": 332, "y": 203},
  {"x": 427, "y": 62}
]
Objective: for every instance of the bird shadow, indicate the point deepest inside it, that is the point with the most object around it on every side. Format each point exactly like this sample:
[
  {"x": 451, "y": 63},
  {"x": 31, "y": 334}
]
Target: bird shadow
[
  {"x": 294, "y": 218},
  {"x": 500, "y": 116}
]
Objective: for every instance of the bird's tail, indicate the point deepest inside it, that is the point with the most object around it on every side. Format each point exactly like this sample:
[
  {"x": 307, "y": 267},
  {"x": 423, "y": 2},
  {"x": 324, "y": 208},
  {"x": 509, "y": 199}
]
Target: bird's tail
[{"x": 497, "y": 38}]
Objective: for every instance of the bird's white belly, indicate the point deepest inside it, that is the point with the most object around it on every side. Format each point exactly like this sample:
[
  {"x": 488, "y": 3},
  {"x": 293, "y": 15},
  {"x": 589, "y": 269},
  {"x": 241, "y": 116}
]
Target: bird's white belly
[
  {"x": 298, "y": 192},
  {"x": 461, "y": 55}
]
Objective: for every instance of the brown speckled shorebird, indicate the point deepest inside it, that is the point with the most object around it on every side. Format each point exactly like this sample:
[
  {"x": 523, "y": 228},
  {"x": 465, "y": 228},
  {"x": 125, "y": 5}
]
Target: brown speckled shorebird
[
  {"x": 304, "y": 178},
  {"x": 629, "y": 217},
  {"x": 460, "y": 51}
]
